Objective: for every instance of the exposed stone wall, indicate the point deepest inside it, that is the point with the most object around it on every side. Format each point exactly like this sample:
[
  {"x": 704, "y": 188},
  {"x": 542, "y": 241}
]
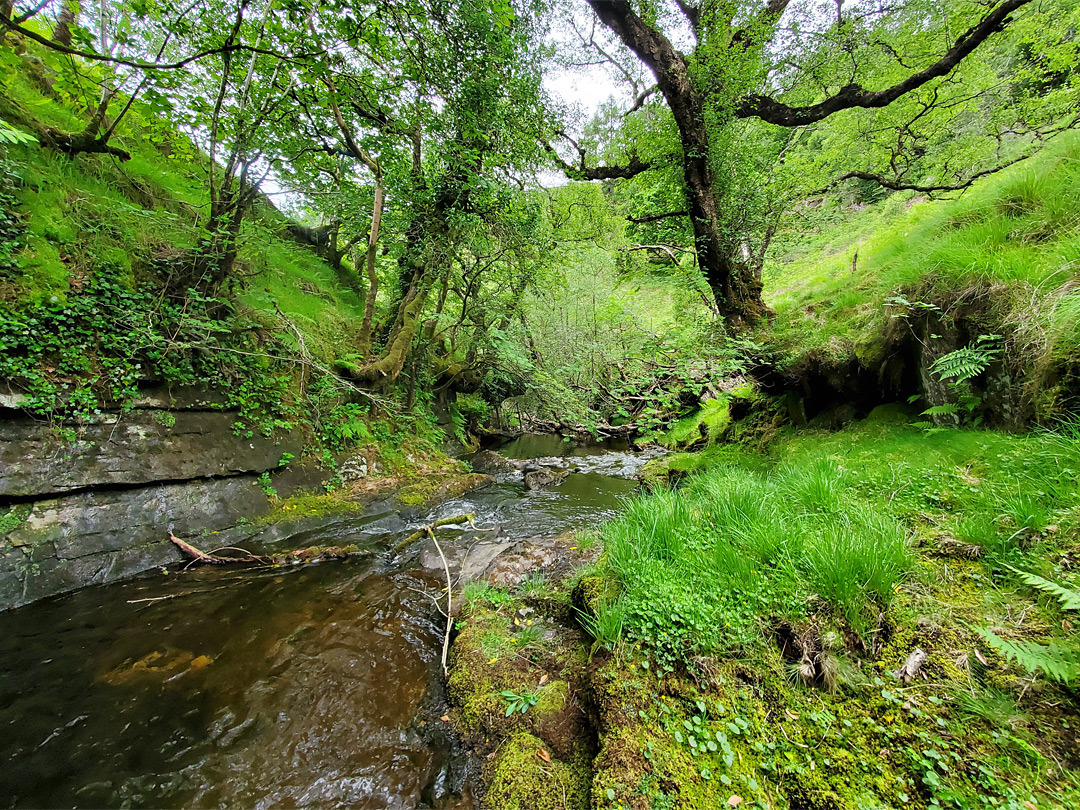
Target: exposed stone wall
[{"x": 100, "y": 508}]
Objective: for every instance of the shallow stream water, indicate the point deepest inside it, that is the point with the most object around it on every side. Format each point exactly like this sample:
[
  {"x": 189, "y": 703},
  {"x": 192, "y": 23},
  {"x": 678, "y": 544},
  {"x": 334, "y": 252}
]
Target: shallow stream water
[{"x": 314, "y": 686}]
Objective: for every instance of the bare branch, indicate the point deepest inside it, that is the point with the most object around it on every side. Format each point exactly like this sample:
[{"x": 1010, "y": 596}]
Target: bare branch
[
  {"x": 894, "y": 184},
  {"x": 641, "y": 98},
  {"x": 581, "y": 171},
  {"x": 135, "y": 63}
]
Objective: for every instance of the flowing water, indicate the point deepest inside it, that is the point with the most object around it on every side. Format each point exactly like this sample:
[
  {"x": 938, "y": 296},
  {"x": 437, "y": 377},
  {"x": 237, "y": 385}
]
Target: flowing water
[{"x": 312, "y": 686}]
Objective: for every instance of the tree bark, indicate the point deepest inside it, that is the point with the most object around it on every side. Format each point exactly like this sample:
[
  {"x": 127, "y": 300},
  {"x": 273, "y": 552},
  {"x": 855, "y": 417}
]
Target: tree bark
[
  {"x": 364, "y": 343},
  {"x": 734, "y": 286},
  {"x": 65, "y": 21}
]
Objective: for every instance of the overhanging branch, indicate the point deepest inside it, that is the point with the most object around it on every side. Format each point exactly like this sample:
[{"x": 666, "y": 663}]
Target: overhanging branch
[
  {"x": 136, "y": 63},
  {"x": 581, "y": 171},
  {"x": 655, "y": 217},
  {"x": 895, "y": 184},
  {"x": 855, "y": 95}
]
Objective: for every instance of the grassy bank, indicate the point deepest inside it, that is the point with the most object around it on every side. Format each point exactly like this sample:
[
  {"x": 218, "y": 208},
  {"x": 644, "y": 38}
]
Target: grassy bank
[
  {"x": 749, "y": 630},
  {"x": 1004, "y": 252}
]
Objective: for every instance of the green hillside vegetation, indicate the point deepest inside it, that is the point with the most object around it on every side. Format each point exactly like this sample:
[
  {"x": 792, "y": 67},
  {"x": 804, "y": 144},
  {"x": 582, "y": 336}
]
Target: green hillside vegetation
[
  {"x": 839, "y": 588},
  {"x": 1012, "y": 242}
]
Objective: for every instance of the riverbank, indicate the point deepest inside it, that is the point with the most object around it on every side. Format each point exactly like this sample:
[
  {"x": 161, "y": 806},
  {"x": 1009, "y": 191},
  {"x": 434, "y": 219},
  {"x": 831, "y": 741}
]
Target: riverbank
[{"x": 811, "y": 628}]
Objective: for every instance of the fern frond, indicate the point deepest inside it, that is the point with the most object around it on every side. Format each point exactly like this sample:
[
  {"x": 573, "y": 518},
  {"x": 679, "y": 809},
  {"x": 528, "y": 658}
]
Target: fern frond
[
  {"x": 968, "y": 362},
  {"x": 1056, "y": 661},
  {"x": 947, "y": 409},
  {"x": 1067, "y": 597}
]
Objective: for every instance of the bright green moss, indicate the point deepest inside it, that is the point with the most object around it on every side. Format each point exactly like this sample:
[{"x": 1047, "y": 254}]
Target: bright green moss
[{"x": 520, "y": 779}]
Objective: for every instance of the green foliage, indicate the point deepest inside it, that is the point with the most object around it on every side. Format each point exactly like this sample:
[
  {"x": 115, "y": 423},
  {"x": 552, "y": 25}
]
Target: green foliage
[
  {"x": 1069, "y": 598},
  {"x": 479, "y": 592},
  {"x": 519, "y": 701},
  {"x": 10, "y": 136},
  {"x": 968, "y": 362},
  {"x": 1012, "y": 237},
  {"x": 1057, "y": 661},
  {"x": 266, "y": 486}
]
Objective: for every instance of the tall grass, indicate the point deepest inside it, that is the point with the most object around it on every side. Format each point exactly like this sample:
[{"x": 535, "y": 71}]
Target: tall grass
[
  {"x": 700, "y": 568},
  {"x": 1018, "y": 231},
  {"x": 709, "y": 568}
]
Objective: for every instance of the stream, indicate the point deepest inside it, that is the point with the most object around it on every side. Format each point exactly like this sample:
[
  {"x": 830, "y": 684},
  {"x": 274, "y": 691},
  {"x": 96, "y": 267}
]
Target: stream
[{"x": 308, "y": 686}]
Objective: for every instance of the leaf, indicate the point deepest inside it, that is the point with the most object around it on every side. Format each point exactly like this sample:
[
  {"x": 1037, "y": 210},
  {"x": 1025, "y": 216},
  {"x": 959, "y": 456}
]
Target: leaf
[
  {"x": 735, "y": 800},
  {"x": 610, "y": 793},
  {"x": 1057, "y": 661},
  {"x": 510, "y": 709},
  {"x": 544, "y": 755}
]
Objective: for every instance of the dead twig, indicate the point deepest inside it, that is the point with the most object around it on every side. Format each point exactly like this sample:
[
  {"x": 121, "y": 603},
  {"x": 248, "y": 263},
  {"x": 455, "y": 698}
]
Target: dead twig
[{"x": 419, "y": 533}]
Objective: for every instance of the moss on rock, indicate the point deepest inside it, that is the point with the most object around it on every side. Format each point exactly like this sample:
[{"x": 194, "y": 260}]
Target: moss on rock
[
  {"x": 520, "y": 778},
  {"x": 428, "y": 491}
]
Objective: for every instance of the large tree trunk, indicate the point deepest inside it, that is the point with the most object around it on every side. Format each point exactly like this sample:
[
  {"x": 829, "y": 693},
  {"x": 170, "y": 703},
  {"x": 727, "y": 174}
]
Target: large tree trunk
[{"x": 734, "y": 284}]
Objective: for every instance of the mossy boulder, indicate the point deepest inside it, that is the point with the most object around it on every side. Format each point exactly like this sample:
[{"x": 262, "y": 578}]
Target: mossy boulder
[
  {"x": 520, "y": 777},
  {"x": 591, "y": 591},
  {"x": 431, "y": 490}
]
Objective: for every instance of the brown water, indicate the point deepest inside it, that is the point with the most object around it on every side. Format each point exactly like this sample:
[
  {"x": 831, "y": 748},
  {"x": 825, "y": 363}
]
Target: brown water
[{"x": 314, "y": 686}]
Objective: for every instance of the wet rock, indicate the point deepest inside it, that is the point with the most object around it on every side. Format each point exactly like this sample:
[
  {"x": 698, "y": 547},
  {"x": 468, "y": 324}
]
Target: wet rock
[
  {"x": 141, "y": 448},
  {"x": 97, "y": 537},
  {"x": 544, "y": 477},
  {"x": 515, "y": 564},
  {"x": 491, "y": 463}
]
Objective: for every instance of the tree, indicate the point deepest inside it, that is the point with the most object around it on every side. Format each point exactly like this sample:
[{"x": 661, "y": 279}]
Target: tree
[{"x": 746, "y": 66}]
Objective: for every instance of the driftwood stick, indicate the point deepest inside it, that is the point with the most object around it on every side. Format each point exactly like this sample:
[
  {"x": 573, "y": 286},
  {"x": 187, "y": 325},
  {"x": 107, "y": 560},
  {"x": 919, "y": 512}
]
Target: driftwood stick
[
  {"x": 200, "y": 556},
  {"x": 449, "y": 603},
  {"x": 420, "y": 533}
]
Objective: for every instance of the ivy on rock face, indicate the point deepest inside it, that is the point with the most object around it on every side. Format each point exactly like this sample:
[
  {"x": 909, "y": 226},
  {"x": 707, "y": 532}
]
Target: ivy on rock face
[{"x": 76, "y": 355}]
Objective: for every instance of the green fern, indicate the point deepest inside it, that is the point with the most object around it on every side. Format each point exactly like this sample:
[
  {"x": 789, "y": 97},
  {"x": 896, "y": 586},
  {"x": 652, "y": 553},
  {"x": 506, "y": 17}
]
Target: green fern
[
  {"x": 1057, "y": 661},
  {"x": 948, "y": 409},
  {"x": 970, "y": 361},
  {"x": 1067, "y": 597}
]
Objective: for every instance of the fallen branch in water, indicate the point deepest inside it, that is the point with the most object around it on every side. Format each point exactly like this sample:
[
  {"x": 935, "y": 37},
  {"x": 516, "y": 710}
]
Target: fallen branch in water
[
  {"x": 200, "y": 556},
  {"x": 449, "y": 600},
  {"x": 430, "y": 528},
  {"x": 303, "y": 555}
]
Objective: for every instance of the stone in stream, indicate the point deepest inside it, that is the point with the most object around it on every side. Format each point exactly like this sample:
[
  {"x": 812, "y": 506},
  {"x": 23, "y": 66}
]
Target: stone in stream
[
  {"x": 545, "y": 477},
  {"x": 491, "y": 463}
]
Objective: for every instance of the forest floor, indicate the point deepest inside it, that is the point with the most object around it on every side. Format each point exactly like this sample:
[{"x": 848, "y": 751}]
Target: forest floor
[{"x": 742, "y": 641}]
